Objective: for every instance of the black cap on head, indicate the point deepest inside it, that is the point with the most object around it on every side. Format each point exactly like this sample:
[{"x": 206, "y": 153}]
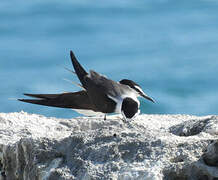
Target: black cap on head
[
  {"x": 129, "y": 107},
  {"x": 129, "y": 83},
  {"x": 136, "y": 87}
]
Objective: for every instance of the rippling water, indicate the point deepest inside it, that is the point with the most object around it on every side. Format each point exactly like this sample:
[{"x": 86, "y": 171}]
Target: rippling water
[{"x": 169, "y": 47}]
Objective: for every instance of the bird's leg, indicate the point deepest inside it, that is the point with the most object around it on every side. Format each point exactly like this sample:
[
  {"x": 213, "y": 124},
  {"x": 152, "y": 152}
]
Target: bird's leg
[
  {"x": 124, "y": 117},
  {"x": 105, "y": 116}
]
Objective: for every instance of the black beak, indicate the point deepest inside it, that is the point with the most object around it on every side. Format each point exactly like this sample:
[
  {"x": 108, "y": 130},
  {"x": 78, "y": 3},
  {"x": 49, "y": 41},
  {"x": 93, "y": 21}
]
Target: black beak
[{"x": 147, "y": 97}]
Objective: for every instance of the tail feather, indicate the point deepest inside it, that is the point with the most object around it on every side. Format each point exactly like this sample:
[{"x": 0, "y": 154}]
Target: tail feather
[
  {"x": 43, "y": 96},
  {"x": 80, "y": 71},
  {"x": 44, "y": 102},
  {"x": 76, "y": 100}
]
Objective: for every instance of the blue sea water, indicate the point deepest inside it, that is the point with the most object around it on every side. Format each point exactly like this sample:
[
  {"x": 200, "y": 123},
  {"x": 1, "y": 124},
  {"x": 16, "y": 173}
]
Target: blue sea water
[{"x": 169, "y": 47}]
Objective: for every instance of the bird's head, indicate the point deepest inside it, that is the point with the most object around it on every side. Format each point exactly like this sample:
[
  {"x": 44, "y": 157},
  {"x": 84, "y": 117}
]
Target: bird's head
[{"x": 138, "y": 90}]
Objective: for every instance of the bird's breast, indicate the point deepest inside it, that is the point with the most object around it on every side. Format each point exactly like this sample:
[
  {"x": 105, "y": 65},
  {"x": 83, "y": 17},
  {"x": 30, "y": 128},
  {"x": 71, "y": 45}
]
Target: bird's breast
[{"x": 119, "y": 101}]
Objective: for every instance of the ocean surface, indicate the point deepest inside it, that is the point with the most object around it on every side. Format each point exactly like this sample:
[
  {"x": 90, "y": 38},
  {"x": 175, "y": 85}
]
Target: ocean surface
[{"x": 168, "y": 47}]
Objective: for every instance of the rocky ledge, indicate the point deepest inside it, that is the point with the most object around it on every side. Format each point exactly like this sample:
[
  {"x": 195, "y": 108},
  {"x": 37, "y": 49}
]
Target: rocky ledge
[{"x": 151, "y": 147}]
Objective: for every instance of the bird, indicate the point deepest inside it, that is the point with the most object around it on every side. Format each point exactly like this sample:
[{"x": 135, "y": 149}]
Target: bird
[{"x": 99, "y": 95}]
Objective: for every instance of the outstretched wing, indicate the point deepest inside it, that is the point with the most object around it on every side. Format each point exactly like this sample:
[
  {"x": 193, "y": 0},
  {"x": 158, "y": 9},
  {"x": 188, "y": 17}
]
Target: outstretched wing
[
  {"x": 97, "y": 86},
  {"x": 75, "y": 100},
  {"x": 80, "y": 71}
]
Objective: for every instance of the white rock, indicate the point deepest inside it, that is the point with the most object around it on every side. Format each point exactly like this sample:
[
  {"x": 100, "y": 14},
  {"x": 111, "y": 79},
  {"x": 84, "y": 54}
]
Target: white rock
[{"x": 151, "y": 147}]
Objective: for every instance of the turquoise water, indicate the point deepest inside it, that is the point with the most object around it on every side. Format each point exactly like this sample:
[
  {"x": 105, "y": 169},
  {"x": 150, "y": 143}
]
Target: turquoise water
[{"x": 169, "y": 47}]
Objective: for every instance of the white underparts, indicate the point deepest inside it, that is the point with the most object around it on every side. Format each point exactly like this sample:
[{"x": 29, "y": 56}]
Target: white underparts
[{"x": 88, "y": 112}]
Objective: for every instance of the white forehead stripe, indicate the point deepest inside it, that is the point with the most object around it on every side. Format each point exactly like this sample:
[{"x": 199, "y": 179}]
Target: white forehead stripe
[{"x": 140, "y": 89}]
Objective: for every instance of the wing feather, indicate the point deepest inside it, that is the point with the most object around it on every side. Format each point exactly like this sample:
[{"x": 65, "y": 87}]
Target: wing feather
[{"x": 75, "y": 100}]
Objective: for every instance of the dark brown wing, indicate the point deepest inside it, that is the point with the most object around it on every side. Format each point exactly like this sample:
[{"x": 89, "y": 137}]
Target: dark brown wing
[
  {"x": 80, "y": 71},
  {"x": 99, "y": 89},
  {"x": 75, "y": 100}
]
